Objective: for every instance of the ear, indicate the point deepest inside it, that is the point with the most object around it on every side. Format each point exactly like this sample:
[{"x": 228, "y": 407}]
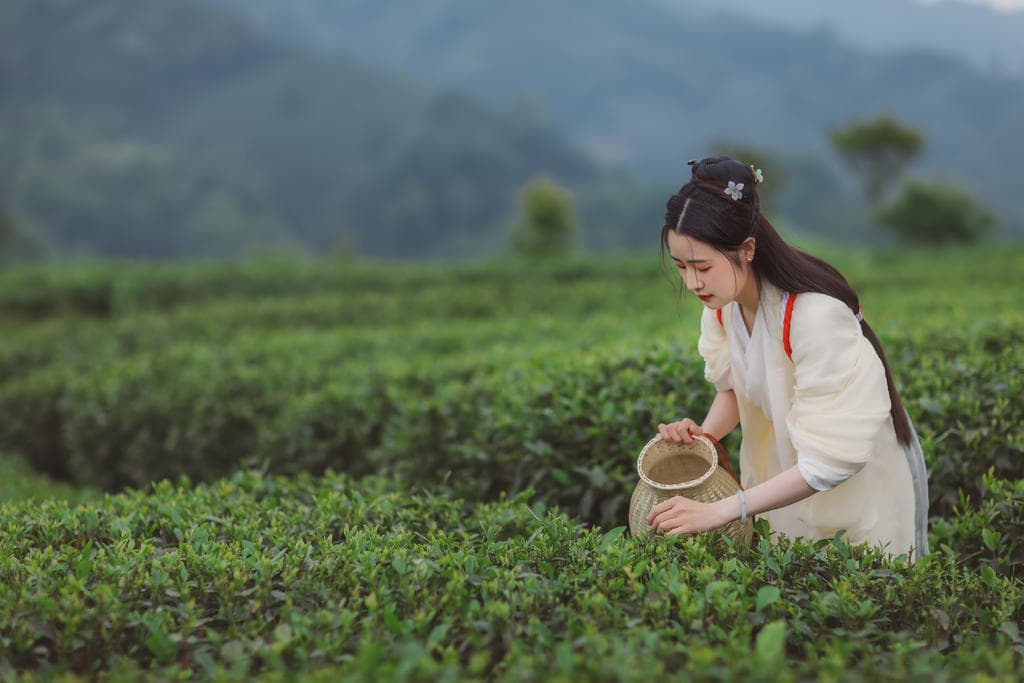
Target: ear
[{"x": 747, "y": 249}]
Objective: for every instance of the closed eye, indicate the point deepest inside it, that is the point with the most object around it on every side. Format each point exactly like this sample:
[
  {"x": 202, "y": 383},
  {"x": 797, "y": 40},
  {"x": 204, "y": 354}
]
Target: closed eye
[{"x": 682, "y": 266}]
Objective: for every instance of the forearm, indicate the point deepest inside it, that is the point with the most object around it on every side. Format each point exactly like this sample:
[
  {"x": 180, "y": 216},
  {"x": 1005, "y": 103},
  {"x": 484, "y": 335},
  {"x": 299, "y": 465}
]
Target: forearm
[
  {"x": 781, "y": 490},
  {"x": 723, "y": 415}
]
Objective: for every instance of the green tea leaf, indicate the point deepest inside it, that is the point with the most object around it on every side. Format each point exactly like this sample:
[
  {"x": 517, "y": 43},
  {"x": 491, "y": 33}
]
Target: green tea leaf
[
  {"x": 610, "y": 538},
  {"x": 766, "y": 596},
  {"x": 771, "y": 643}
]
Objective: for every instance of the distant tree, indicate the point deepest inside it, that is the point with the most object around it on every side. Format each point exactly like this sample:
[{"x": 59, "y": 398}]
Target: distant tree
[
  {"x": 878, "y": 150},
  {"x": 771, "y": 167},
  {"x": 933, "y": 213},
  {"x": 6, "y": 228},
  {"x": 547, "y": 223}
]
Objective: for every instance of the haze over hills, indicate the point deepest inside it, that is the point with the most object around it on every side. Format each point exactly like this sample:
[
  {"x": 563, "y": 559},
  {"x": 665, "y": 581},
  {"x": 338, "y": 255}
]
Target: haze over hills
[
  {"x": 991, "y": 39},
  {"x": 646, "y": 86},
  {"x": 205, "y": 127},
  {"x": 143, "y": 128}
]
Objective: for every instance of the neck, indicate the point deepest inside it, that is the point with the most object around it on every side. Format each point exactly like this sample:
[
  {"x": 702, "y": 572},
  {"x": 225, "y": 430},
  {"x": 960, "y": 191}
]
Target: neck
[{"x": 750, "y": 296}]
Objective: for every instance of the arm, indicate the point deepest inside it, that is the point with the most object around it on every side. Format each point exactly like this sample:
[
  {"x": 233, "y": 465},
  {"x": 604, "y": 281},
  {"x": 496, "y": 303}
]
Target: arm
[
  {"x": 785, "y": 488},
  {"x": 679, "y": 515},
  {"x": 723, "y": 416}
]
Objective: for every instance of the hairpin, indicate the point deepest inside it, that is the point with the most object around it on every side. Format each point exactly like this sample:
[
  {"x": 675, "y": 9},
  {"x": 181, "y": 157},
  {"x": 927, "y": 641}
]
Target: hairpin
[
  {"x": 733, "y": 190},
  {"x": 758, "y": 176}
]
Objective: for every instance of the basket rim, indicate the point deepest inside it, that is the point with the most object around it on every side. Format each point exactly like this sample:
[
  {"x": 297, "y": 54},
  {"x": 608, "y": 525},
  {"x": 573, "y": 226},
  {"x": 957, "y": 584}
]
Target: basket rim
[{"x": 682, "y": 485}]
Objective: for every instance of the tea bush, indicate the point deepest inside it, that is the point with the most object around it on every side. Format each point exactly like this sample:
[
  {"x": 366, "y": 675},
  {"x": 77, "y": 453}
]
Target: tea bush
[
  {"x": 18, "y": 482},
  {"x": 567, "y": 425},
  {"x": 198, "y": 369},
  {"x": 260, "y": 576},
  {"x": 480, "y": 403}
]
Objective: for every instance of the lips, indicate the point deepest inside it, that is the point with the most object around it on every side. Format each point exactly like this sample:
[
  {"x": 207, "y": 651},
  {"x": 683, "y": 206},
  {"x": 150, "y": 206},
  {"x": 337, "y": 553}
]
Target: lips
[{"x": 704, "y": 297}]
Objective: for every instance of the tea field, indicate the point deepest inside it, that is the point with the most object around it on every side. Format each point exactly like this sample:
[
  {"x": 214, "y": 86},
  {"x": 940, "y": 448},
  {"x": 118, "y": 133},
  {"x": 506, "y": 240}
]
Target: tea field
[{"x": 289, "y": 470}]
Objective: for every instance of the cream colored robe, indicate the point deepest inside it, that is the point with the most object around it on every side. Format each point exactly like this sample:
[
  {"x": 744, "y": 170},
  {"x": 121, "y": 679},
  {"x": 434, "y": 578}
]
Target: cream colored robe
[{"x": 827, "y": 411}]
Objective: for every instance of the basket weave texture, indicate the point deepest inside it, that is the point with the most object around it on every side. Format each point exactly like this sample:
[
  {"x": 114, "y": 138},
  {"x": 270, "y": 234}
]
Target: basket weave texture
[{"x": 689, "y": 470}]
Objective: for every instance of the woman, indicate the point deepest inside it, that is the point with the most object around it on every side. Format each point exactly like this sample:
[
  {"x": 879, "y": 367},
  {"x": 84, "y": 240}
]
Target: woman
[{"x": 827, "y": 445}]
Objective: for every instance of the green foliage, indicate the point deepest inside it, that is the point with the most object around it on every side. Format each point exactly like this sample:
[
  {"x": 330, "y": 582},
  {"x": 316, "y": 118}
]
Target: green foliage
[
  {"x": 479, "y": 380},
  {"x": 877, "y": 149},
  {"x": 18, "y": 482},
  {"x": 936, "y": 214},
  {"x": 547, "y": 223},
  {"x": 257, "y": 576},
  {"x": 987, "y": 532},
  {"x": 108, "y": 197},
  {"x": 495, "y": 410}
]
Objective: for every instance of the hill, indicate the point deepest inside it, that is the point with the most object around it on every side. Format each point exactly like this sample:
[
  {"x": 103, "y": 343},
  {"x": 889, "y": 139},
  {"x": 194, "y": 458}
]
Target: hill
[
  {"x": 649, "y": 87},
  {"x": 147, "y": 129}
]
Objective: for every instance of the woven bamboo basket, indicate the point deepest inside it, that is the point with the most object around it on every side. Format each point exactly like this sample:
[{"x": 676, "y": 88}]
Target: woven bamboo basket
[{"x": 689, "y": 470}]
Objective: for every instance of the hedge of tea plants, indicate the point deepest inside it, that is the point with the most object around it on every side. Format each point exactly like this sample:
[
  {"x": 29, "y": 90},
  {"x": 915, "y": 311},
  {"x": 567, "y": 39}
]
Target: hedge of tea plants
[
  {"x": 477, "y": 407},
  {"x": 453, "y": 402},
  {"x": 369, "y": 580}
]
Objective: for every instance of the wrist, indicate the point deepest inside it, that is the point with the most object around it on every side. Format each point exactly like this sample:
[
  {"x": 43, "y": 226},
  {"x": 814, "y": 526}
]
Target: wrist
[{"x": 728, "y": 509}]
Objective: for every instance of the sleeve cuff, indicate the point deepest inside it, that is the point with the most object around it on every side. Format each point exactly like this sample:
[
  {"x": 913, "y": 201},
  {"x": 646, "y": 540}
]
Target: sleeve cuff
[{"x": 820, "y": 476}]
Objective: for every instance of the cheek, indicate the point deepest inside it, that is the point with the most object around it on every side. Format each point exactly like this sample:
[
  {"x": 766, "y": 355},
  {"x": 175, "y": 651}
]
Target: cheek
[{"x": 728, "y": 280}]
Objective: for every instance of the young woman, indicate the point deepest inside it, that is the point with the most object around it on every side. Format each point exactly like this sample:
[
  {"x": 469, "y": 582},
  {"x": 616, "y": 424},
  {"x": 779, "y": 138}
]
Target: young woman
[{"x": 826, "y": 442}]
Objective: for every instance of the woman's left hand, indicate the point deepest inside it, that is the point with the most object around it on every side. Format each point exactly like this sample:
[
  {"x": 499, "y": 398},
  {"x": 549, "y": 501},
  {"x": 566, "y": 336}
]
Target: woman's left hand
[{"x": 679, "y": 515}]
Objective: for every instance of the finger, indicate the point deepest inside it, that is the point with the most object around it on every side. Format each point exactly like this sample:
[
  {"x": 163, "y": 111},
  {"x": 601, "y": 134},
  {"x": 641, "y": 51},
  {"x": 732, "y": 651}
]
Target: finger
[
  {"x": 656, "y": 512},
  {"x": 667, "y": 519},
  {"x": 686, "y": 438},
  {"x": 664, "y": 506},
  {"x": 658, "y": 509},
  {"x": 669, "y": 523},
  {"x": 659, "y": 518}
]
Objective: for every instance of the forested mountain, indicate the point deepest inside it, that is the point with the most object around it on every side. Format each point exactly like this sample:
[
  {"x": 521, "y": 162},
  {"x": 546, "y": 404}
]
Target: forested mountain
[
  {"x": 146, "y": 128},
  {"x": 207, "y": 127},
  {"x": 640, "y": 84}
]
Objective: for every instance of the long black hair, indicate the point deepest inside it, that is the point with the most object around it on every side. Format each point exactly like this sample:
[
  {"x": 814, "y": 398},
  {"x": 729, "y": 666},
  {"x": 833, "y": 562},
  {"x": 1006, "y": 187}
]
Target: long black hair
[{"x": 703, "y": 210}]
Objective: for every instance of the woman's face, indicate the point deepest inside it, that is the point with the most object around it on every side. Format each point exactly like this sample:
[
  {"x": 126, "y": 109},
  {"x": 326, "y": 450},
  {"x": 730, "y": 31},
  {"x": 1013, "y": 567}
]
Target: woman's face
[{"x": 709, "y": 273}]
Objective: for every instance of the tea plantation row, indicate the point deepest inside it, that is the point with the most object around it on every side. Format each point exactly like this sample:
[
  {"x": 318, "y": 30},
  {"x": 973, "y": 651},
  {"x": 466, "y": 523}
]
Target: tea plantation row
[
  {"x": 470, "y": 383},
  {"x": 567, "y": 425},
  {"x": 328, "y": 578},
  {"x": 111, "y": 290}
]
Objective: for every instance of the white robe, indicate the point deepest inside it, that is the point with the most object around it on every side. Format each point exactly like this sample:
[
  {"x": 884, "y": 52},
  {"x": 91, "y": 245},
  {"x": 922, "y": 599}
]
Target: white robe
[{"x": 826, "y": 411}]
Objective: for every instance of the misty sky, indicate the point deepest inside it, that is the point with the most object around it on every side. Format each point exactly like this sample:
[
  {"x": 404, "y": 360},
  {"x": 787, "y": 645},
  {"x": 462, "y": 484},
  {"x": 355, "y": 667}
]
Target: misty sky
[{"x": 1005, "y": 5}]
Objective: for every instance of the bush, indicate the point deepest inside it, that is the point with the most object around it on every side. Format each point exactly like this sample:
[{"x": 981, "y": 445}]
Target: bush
[
  {"x": 547, "y": 224},
  {"x": 257, "y": 576},
  {"x": 936, "y": 214}
]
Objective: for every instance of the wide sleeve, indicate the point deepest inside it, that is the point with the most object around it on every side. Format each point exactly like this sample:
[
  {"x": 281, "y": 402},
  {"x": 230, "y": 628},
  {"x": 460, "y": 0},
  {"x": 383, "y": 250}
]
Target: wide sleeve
[
  {"x": 713, "y": 347},
  {"x": 841, "y": 400}
]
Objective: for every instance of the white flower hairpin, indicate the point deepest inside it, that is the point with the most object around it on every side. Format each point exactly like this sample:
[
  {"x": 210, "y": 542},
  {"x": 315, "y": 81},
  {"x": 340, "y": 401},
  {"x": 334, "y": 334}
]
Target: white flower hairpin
[
  {"x": 758, "y": 176},
  {"x": 733, "y": 190}
]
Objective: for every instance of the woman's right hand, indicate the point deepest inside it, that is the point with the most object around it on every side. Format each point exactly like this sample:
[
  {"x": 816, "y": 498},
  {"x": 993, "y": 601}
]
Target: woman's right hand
[{"x": 680, "y": 432}]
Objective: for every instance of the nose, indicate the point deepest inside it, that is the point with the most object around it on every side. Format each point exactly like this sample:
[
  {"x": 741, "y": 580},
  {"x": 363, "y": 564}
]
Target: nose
[{"x": 691, "y": 281}]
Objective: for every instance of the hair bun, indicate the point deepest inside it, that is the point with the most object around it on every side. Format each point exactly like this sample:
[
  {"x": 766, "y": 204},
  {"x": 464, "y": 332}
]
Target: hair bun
[{"x": 722, "y": 169}]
